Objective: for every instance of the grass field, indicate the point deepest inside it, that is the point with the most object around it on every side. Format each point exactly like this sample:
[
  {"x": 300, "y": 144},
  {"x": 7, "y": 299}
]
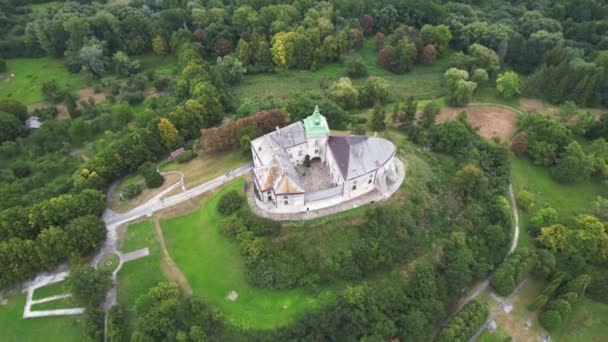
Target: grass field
[
  {"x": 206, "y": 166},
  {"x": 50, "y": 290},
  {"x": 13, "y": 328},
  {"x": 64, "y": 303},
  {"x": 30, "y": 73},
  {"x": 160, "y": 64},
  {"x": 588, "y": 322},
  {"x": 422, "y": 82},
  {"x": 214, "y": 267},
  {"x": 567, "y": 199},
  {"x": 136, "y": 277},
  {"x": 493, "y": 336}
]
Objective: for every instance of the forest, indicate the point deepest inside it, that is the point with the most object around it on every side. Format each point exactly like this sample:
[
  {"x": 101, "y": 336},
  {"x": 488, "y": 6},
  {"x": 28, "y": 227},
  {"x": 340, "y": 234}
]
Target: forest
[{"x": 53, "y": 179}]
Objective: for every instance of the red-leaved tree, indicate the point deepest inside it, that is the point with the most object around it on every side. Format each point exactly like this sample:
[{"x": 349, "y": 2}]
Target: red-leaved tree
[
  {"x": 379, "y": 40},
  {"x": 228, "y": 135},
  {"x": 429, "y": 54},
  {"x": 357, "y": 38},
  {"x": 384, "y": 56},
  {"x": 367, "y": 24}
]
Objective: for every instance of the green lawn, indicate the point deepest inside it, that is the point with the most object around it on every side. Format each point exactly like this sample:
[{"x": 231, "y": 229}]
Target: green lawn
[
  {"x": 30, "y": 73},
  {"x": 588, "y": 322},
  {"x": 214, "y": 267},
  {"x": 422, "y": 82},
  {"x": 160, "y": 64},
  {"x": 64, "y": 303},
  {"x": 136, "y": 277},
  {"x": 493, "y": 336},
  {"x": 567, "y": 199},
  {"x": 13, "y": 328},
  {"x": 50, "y": 290}
]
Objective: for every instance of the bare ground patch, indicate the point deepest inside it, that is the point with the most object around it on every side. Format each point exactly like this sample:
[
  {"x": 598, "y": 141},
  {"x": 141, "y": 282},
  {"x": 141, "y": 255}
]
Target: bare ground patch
[
  {"x": 170, "y": 269},
  {"x": 87, "y": 93},
  {"x": 492, "y": 121}
]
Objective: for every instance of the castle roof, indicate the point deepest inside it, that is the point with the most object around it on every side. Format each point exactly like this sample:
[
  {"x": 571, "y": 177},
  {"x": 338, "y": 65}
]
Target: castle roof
[{"x": 357, "y": 155}]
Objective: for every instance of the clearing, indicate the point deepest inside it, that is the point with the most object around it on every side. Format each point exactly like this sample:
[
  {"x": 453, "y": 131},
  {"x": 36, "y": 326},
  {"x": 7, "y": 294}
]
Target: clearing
[
  {"x": 424, "y": 81},
  {"x": 122, "y": 206},
  {"x": 214, "y": 268},
  {"x": 492, "y": 121},
  {"x": 30, "y": 73}
]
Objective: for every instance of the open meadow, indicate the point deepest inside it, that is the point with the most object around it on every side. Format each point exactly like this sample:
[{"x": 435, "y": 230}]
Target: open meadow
[{"x": 214, "y": 268}]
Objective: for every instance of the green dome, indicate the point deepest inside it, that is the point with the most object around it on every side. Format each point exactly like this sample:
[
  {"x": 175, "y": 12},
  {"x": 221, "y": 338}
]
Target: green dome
[{"x": 316, "y": 124}]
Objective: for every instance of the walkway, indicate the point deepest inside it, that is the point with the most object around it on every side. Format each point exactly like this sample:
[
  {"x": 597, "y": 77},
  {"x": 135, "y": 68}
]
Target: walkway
[
  {"x": 370, "y": 197},
  {"x": 113, "y": 220}
]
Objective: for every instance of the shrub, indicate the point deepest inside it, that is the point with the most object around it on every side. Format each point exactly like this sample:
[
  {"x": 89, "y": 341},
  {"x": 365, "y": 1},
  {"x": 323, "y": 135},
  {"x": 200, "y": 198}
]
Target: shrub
[
  {"x": 551, "y": 320},
  {"x": 560, "y": 305},
  {"x": 230, "y": 202},
  {"x": 538, "y": 303},
  {"x": 526, "y": 200},
  {"x": 355, "y": 67},
  {"x": 259, "y": 226},
  {"x": 232, "y": 225},
  {"x": 132, "y": 191},
  {"x": 152, "y": 178},
  {"x": 512, "y": 271},
  {"x": 186, "y": 156}
]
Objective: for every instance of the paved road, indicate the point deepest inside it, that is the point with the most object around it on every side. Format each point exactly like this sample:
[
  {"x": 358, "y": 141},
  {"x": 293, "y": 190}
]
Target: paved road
[{"x": 114, "y": 219}]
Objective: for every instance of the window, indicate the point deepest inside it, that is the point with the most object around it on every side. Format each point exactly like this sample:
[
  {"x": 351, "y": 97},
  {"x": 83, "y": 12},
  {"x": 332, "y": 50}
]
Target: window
[
  {"x": 290, "y": 155},
  {"x": 268, "y": 192},
  {"x": 284, "y": 197},
  {"x": 270, "y": 198},
  {"x": 300, "y": 153},
  {"x": 316, "y": 150},
  {"x": 354, "y": 186},
  {"x": 260, "y": 148},
  {"x": 316, "y": 142},
  {"x": 286, "y": 202},
  {"x": 370, "y": 181}
]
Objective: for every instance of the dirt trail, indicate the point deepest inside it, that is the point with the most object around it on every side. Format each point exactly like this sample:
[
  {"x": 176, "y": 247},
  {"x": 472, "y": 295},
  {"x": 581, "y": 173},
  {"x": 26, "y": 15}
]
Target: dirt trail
[{"x": 169, "y": 267}]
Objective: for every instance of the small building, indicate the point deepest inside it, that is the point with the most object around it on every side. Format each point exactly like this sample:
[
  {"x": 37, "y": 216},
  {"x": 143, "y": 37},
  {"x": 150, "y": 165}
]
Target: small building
[
  {"x": 174, "y": 154},
  {"x": 344, "y": 167},
  {"x": 33, "y": 122}
]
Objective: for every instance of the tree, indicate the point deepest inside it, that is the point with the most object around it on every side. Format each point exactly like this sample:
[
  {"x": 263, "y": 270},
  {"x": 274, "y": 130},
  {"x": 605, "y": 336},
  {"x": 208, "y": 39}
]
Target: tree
[
  {"x": 385, "y": 56},
  {"x": 519, "y": 144},
  {"x": 376, "y": 118},
  {"x": 429, "y": 54},
  {"x": 92, "y": 60},
  {"x": 14, "y": 107},
  {"x": 355, "y": 67},
  {"x": 159, "y": 45},
  {"x": 439, "y": 36},
  {"x": 151, "y": 175},
  {"x": 479, "y": 76},
  {"x": 88, "y": 285},
  {"x": 567, "y": 111},
  {"x": 411, "y": 107},
  {"x": 375, "y": 90},
  {"x": 157, "y": 313},
  {"x": 84, "y": 235},
  {"x": 484, "y": 58},
  {"x": 116, "y": 330},
  {"x": 230, "y": 202},
  {"x": 403, "y": 56},
  {"x": 52, "y": 92},
  {"x": 551, "y": 320},
  {"x": 123, "y": 66},
  {"x": 542, "y": 218},
  {"x": 573, "y": 165},
  {"x": 367, "y": 24},
  {"x": 460, "y": 90},
  {"x": 429, "y": 114},
  {"x": 451, "y": 136},
  {"x": 545, "y": 263},
  {"x": 470, "y": 183},
  {"x": 231, "y": 69},
  {"x": 526, "y": 200},
  {"x": 508, "y": 84},
  {"x": 379, "y": 41},
  {"x": 343, "y": 93},
  {"x": 10, "y": 127},
  {"x": 168, "y": 133},
  {"x": 262, "y": 58}
]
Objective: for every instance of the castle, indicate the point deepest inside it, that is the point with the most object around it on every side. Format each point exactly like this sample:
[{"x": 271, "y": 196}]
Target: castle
[{"x": 301, "y": 167}]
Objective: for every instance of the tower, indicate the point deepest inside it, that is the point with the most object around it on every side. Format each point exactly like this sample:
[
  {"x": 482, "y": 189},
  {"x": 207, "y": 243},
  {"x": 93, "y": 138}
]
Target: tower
[{"x": 317, "y": 132}]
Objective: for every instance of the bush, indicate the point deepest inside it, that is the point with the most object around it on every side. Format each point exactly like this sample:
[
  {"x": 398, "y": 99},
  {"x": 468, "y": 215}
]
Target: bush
[
  {"x": 538, "y": 303},
  {"x": 132, "y": 190},
  {"x": 355, "y": 67},
  {"x": 526, "y": 200},
  {"x": 551, "y": 320},
  {"x": 230, "y": 202},
  {"x": 259, "y": 226},
  {"x": 152, "y": 178},
  {"x": 186, "y": 156}
]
